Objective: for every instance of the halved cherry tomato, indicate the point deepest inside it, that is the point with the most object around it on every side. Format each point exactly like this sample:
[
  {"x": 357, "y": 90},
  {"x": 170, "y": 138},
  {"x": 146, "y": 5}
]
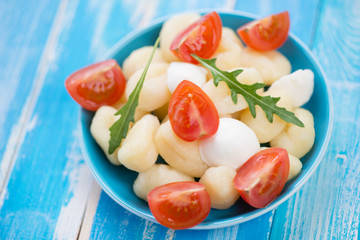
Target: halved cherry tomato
[
  {"x": 191, "y": 112},
  {"x": 261, "y": 179},
  {"x": 202, "y": 38},
  {"x": 266, "y": 34},
  {"x": 179, "y": 205},
  {"x": 96, "y": 85}
]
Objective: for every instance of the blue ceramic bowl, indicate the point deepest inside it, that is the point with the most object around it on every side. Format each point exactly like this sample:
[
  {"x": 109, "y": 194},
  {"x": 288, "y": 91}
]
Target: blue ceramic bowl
[{"x": 117, "y": 181}]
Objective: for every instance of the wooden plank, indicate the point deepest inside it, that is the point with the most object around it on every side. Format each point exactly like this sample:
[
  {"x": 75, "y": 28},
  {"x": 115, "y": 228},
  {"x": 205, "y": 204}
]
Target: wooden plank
[
  {"x": 23, "y": 32},
  {"x": 328, "y": 205},
  {"x": 48, "y": 190}
]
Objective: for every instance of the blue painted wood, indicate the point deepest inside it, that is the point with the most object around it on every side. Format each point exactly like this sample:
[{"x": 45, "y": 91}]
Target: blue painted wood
[
  {"x": 48, "y": 188},
  {"x": 328, "y": 205},
  {"x": 23, "y": 33},
  {"x": 303, "y": 14},
  {"x": 42, "y": 42}
]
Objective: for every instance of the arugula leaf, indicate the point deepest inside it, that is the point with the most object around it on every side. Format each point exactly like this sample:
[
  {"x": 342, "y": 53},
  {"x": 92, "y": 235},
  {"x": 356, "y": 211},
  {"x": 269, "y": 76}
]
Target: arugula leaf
[
  {"x": 267, "y": 103},
  {"x": 120, "y": 128}
]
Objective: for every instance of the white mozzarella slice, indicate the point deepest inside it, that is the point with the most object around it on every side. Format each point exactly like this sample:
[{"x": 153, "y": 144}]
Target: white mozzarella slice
[
  {"x": 179, "y": 71},
  {"x": 232, "y": 145},
  {"x": 299, "y": 85}
]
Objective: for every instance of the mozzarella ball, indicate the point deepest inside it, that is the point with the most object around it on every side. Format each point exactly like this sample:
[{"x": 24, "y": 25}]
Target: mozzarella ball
[
  {"x": 138, "y": 151},
  {"x": 103, "y": 119},
  {"x": 154, "y": 92},
  {"x": 179, "y": 71},
  {"x": 297, "y": 140},
  {"x": 232, "y": 145},
  {"x": 218, "y": 182},
  {"x": 157, "y": 175},
  {"x": 295, "y": 166},
  {"x": 272, "y": 65},
  {"x": 179, "y": 154},
  {"x": 171, "y": 29},
  {"x": 221, "y": 95},
  {"x": 138, "y": 59},
  {"x": 299, "y": 85}
]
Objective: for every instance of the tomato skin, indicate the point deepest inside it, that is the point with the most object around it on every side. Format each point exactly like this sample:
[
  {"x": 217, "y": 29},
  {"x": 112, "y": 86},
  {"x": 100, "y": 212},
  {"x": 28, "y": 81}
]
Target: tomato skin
[
  {"x": 99, "y": 84},
  {"x": 261, "y": 179},
  {"x": 202, "y": 38},
  {"x": 191, "y": 112},
  {"x": 179, "y": 205},
  {"x": 266, "y": 34}
]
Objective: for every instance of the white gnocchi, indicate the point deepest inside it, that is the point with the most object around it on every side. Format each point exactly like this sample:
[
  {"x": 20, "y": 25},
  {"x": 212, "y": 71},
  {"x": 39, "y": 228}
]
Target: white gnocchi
[
  {"x": 218, "y": 182},
  {"x": 181, "y": 155},
  {"x": 295, "y": 166},
  {"x": 138, "y": 59},
  {"x": 99, "y": 128},
  {"x": 154, "y": 93},
  {"x": 272, "y": 65},
  {"x": 138, "y": 151},
  {"x": 221, "y": 95},
  {"x": 157, "y": 175},
  {"x": 297, "y": 140}
]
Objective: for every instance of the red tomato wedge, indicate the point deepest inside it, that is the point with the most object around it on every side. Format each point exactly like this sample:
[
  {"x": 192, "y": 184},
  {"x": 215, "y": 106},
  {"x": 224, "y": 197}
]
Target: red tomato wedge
[
  {"x": 266, "y": 34},
  {"x": 261, "y": 179},
  {"x": 179, "y": 205},
  {"x": 191, "y": 112},
  {"x": 96, "y": 85},
  {"x": 202, "y": 38}
]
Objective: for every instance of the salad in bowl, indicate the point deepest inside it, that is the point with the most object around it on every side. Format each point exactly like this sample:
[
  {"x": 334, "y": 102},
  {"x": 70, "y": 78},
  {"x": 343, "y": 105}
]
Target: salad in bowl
[{"x": 204, "y": 120}]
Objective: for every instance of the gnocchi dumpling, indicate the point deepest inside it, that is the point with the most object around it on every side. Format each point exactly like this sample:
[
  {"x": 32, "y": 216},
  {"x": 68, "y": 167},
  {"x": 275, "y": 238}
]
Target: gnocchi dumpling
[
  {"x": 297, "y": 140},
  {"x": 218, "y": 182},
  {"x": 221, "y": 95},
  {"x": 161, "y": 112},
  {"x": 99, "y": 128},
  {"x": 154, "y": 93},
  {"x": 139, "y": 113},
  {"x": 272, "y": 65},
  {"x": 179, "y": 154},
  {"x": 228, "y": 53},
  {"x": 138, "y": 59},
  {"x": 157, "y": 175},
  {"x": 170, "y": 29},
  {"x": 264, "y": 130},
  {"x": 229, "y": 41},
  {"x": 295, "y": 166},
  {"x": 138, "y": 151}
]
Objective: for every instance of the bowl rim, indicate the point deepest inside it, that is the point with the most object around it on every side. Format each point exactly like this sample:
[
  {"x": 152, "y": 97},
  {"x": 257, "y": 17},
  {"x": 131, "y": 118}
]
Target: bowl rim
[{"x": 232, "y": 220}]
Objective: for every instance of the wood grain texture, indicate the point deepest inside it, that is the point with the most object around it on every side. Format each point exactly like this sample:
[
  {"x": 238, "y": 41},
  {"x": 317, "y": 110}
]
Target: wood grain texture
[
  {"x": 328, "y": 205},
  {"x": 47, "y": 190},
  {"x": 23, "y": 32}
]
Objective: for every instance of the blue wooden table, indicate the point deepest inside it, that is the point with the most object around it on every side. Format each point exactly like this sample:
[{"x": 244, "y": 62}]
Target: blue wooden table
[{"x": 47, "y": 190}]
